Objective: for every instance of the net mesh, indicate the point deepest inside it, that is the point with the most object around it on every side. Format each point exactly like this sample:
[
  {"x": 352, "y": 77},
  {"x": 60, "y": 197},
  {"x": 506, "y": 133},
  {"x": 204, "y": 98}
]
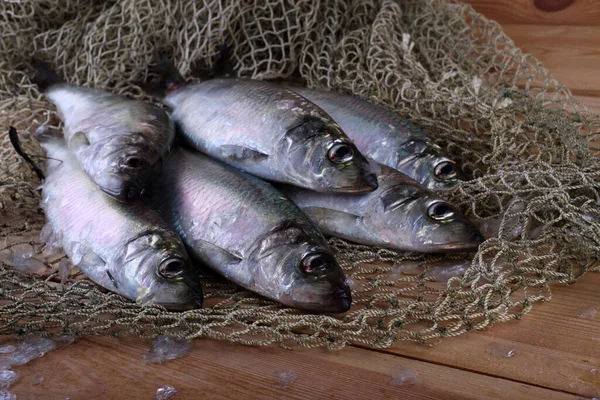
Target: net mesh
[{"x": 528, "y": 146}]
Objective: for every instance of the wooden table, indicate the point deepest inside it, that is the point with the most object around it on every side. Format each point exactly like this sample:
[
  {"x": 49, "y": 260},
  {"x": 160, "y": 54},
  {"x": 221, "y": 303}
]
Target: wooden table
[{"x": 556, "y": 353}]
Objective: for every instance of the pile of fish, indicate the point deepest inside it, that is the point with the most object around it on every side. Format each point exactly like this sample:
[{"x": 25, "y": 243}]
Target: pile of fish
[{"x": 241, "y": 176}]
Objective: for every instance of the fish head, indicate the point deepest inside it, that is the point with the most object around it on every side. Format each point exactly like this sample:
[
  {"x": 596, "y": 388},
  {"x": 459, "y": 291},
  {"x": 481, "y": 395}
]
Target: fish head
[
  {"x": 123, "y": 165},
  {"x": 409, "y": 217},
  {"x": 425, "y": 162},
  {"x": 292, "y": 267},
  {"x": 155, "y": 268},
  {"x": 319, "y": 156}
]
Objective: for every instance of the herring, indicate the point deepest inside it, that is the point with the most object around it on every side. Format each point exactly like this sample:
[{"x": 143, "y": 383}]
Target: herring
[
  {"x": 400, "y": 214},
  {"x": 266, "y": 130},
  {"x": 126, "y": 248},
  {"x": 120, "y": 143},
  {"x": 387, "y": 138},
  {"x": 249, "y": 232}
]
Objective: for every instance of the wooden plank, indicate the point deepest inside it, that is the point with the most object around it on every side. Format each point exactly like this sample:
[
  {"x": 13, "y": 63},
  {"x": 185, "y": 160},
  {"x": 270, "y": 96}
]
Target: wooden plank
[
  {"x": 571, "y": 53},
  {"x": 551, "y": 12},
  {"x": 591, "y": 102},
  {"x": 111, "y": 368},
  {"x": 554, "y": 348}
]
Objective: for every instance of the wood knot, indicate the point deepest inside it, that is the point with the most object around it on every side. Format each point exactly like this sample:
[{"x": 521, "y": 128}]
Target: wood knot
[{"x": 552, "y": 5}]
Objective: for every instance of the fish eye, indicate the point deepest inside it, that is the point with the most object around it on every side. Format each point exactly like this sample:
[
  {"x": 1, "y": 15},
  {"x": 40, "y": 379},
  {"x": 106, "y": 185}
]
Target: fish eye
[
  {"x": 133, "y": 162},
  {"x": 445, "y": 170},
  {"x": 314, "y": 263},
  {"x": 171, "y": 268},
  {"x": 341, "y": 153},
  {"x": 440, "y": 211}
]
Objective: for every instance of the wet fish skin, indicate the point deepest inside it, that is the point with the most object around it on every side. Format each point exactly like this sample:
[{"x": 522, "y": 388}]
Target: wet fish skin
[
  {"x": 387, "y": 138},
  {"x": 398, "y": 215},
  {"x": 126, "y": 248},
  {"x": 270, "y": 132},
  {"x": 120, "y": 143},
  {"x": 250, "y": 233}
]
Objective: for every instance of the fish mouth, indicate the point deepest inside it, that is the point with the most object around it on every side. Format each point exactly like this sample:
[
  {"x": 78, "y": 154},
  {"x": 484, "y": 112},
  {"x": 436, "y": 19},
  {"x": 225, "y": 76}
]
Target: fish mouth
[
  {"x": 339, "y": 301},
  {"x": 124, "y": 193},
  {"x": 471, "y": 244},
  {"x": 192, "y": 303},
  {"x": 369, "y": 183}
]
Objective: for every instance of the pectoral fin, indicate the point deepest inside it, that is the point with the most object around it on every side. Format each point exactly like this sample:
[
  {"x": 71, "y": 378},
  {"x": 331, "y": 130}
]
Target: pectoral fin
[
  {"x": 242, "y": 154},
  {"x": 212, "y": 254},
  {"x": 334, "y": 222}
]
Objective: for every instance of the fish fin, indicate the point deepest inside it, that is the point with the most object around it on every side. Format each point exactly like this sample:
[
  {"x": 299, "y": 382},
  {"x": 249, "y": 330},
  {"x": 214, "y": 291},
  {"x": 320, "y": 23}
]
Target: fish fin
[
  {"x": 169, "y": 79},
  {"x": 91, "y": 260},
  {"x": 43, "y": 75},
  {"x": 222, "y": 67},
  {"x": 16, "y": 143},
  {"x": 241, "y": 153},
  {"x": 213, "y": 254},
  {"x": 78, "y": 140},
  {"x": 326, "y": 214},
  {"x": 112, "y": 279},
  {"x": 335, "y": 223}
]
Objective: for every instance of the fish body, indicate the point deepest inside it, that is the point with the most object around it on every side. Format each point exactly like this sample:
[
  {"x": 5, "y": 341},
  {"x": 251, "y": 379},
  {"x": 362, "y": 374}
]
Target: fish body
[
  {"x": 126, "y": 248},
  {"x": 401, "y": 214},
  {"x": 120, "y": 143},
  {"x": 271, "y": 132},
  {"x": 387, "y": 138},
  {"x": 249, "y": 232}
]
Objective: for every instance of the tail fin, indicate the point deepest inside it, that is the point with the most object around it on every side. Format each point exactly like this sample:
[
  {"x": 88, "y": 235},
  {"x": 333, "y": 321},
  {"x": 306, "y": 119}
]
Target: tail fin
[
  {"x": 222, "y": 68},
  {"x": 170, "y": 79},
  {"x": 16, "y": 142},
  {"x": 43, "y": 75}
]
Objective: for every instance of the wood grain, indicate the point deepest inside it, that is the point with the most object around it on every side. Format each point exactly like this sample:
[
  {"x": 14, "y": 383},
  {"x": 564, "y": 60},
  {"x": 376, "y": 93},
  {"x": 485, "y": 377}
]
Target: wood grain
[
  {"x": 564, "y": 12},
  {"x": 571, "y": 53},
  {"x": 111, "y": 368},
  {"x": 554, "y": 348}
]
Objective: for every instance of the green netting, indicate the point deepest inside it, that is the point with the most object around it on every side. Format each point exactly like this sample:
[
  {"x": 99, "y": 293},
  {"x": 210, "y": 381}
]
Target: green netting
[{"x": 528, "y": 146}]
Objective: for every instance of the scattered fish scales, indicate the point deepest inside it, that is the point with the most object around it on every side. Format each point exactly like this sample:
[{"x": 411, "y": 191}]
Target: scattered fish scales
[
  {"x": 165, "y": 392},
  {"x": 165, "y": 348}
]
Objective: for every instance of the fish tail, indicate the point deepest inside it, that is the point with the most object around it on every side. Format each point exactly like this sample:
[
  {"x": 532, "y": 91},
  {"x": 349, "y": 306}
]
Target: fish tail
[
  {"x": 222, "y": 67},
  {"x": 16, "y": 143},
  {"x": 170, "y": 79},
  {"x": 43, "y": 75}
]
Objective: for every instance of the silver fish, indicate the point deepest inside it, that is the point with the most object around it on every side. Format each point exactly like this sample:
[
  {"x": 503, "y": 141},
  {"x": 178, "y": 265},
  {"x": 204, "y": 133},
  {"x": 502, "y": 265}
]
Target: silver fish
[
  {"x": 382, "y": 135},
  {"x": 268, "y": 131},
  {"x": 120, "y": 143},
  {"x": 250, "y": 233},
  {"x": 126, "y": 248},
  {"x": 400, "y": 214}
]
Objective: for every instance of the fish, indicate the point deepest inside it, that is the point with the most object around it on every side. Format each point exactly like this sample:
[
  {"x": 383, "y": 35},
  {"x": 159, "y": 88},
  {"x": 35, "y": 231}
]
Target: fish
[
  {"x": 266, "y": 130},
  {"x": 125, "y": 247},
  {"x": 120, "y": 143},
  {"x": 401, "y": 214},
  {"x": 385, "y": 137},
  {"x": 247, "y": 231}
]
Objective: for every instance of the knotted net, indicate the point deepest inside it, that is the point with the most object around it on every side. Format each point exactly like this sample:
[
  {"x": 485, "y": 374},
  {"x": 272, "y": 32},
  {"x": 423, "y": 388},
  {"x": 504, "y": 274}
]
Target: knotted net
[{"x": 528, "y": 146}]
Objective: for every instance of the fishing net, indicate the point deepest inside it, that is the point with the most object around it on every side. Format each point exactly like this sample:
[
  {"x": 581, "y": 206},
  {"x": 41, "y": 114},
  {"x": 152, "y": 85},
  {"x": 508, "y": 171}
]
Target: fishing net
[{"x": 526, "y": 144}]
